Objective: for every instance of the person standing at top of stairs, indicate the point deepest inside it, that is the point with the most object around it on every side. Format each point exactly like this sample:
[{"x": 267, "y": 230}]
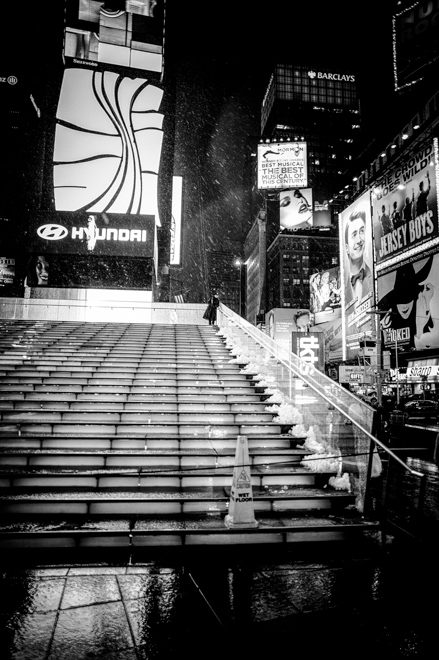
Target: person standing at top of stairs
[{"x": 212, "y": 307}]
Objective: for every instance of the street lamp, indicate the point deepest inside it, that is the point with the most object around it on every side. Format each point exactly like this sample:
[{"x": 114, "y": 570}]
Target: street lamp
[{"x": 238, "y": 262}]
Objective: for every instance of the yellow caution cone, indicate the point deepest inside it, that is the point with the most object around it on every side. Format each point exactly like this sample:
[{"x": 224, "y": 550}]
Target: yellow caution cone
[{"x": 241, "y": 508}]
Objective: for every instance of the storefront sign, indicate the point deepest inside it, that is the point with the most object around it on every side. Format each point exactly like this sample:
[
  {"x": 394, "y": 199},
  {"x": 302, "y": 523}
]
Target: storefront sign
[{"x": 428, "y": 371}]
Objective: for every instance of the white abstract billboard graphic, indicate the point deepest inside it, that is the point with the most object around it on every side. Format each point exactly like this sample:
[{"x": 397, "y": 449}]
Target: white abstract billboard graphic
[{"x": 108, "y": 144}]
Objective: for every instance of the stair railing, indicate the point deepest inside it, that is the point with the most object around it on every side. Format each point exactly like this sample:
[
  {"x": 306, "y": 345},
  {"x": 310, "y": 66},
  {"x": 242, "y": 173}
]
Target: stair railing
[{"x": 376, "y": 496}]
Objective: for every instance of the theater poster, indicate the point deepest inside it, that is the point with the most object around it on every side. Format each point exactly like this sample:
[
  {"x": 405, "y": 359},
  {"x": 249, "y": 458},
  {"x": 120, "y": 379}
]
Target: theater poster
[
  {"x": 357, "y": 278},
  {"x": 410, "y": 296},
  {"x": 282, "y": 165},
  {"x": 325, "y": 290},
  {"x": 405, "y": 207},
  {"x": 295, "y": 210}
]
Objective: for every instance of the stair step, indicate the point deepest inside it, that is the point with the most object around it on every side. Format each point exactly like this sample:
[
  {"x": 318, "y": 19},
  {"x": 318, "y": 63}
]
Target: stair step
[
  {"x": 152, "y": 504},
  {"x": 160, "y": 458},
  {"x": 105, "y": 423}
]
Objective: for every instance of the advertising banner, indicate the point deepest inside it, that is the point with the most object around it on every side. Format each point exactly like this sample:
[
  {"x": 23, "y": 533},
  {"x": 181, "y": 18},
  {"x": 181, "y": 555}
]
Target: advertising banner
[
  {"x": 7, "y": 270},
  {"x": 108, "y": 143},
  {"x": 415, "y": 42},
  {"x": 295, "y": 209},
  {"x": 356, "y": 273},
  {"x": 404, "y": 207},
  {"x": 410, "y": 295},
  {"x": 87, "y": 271},
  {"x": 325, "y": 298},
  {"x": 332, "y": 332},
  {"x": 354, "y": 375},
  {"x": 309, "y": 347},
  {"x": 281, "y": 322},
  {"x": 282, "y": 165},
  {"x": 100, "y": 234},
  {"x": 131, "y": 36}
]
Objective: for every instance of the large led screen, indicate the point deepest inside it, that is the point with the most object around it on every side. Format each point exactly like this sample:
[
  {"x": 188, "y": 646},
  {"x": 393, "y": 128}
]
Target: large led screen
[
  {"x": 325, "y": 290},
  {"x": 108, "y": 143},
  {"x": 357, "y": 277},
  {"x": 415, "y": 42},
  {"x": 405, "y": 211},
  {"x": 295, "y": 209},
  {"x": 282, "y": 165},
  {"x": 99, "y": 233},
  {"x": 127, "y": 33},
  {"x": 410, "y": 296},
  {"x": 87, "y": 271}
]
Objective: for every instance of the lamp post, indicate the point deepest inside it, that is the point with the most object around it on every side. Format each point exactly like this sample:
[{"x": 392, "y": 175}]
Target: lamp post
[
  {"x": 378, "y": 342},
  {"x": 238, "y": 262}
]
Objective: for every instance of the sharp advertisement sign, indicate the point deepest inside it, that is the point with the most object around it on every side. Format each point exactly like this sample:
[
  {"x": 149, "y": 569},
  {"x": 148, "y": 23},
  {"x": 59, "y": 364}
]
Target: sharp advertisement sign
[
  {"x": 405, "y": 208},
  {"x": 282, "y": 165},
  {"x": 357, "y": 279}
]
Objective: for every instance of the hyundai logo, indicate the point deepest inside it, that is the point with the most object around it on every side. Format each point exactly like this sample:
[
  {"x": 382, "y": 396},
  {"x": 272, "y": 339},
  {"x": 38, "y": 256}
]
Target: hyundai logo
[{"x": 52, "y": 232}]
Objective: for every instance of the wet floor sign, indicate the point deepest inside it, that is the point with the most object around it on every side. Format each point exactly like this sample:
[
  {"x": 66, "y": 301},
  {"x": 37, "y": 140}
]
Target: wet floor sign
[{"x": 241, "y": 507}]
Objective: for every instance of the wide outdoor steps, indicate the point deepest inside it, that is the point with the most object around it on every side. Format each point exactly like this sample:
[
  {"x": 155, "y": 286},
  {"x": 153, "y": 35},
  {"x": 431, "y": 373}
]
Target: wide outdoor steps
[{"x": 123, "y": 435}]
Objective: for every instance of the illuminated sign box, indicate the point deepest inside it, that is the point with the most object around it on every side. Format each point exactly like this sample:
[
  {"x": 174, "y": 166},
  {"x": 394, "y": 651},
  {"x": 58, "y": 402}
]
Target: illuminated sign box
[
  {"x": 282, "y": 165},
  {"x": 309, "y": 347},
  {"x": 405, "y": 208},
  {"x": 100, "y": 234}
]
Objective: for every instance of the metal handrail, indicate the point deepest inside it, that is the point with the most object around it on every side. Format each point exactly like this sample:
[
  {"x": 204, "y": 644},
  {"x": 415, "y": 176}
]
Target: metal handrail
[{"x": 260, "y": 338}]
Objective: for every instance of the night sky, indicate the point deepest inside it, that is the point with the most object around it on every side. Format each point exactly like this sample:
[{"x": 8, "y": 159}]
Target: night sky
[{"x": 222, "y": 55}]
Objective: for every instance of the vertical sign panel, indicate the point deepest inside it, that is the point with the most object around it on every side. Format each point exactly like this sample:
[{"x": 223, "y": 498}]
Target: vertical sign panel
[{"x": 357, "y": 275}]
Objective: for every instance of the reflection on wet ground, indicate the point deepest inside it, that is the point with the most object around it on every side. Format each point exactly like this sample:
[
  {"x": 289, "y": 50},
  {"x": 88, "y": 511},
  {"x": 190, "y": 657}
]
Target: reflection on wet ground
[{"x": 205, "y": 602}]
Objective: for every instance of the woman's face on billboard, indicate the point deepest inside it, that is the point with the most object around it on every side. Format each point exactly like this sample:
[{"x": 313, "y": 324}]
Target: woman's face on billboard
[
  {"x": 293, "y": 209},
  {"x": 42, "y": 270}
]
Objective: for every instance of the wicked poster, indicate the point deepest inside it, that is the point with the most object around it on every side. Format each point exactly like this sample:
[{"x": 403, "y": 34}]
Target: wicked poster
[{"x": 410, "y": 296}]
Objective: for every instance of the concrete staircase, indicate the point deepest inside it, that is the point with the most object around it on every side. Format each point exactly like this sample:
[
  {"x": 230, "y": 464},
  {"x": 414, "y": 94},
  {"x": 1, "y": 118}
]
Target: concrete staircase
[{"x": 124, "y": 435}]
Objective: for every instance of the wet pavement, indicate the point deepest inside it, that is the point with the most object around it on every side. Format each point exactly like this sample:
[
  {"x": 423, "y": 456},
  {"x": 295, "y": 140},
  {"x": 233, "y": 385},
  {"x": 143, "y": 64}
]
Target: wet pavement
[{"x": 209, "y": 602}]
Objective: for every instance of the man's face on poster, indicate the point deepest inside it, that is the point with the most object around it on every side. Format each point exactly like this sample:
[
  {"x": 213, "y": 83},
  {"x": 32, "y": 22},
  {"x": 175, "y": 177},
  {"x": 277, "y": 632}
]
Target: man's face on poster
[{"x": 355, "y": 239}]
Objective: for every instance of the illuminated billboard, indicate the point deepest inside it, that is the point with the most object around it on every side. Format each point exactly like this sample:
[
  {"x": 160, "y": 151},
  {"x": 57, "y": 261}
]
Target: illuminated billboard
[
  {"x": 410, "y": 295},
  {"x": 325, "y": 295},
  {"x": 282, "y": 165},
  {"x": 295, "y": 209},
  {"x": 177, "y": 199},
  {"x": 415, "y": 42},
  {"x": 108, "y": 142},
  {"x": 7, "y": 270},
  {"x": 87, "y": 271},
  {"x": 357, "y": 277},
  {"x": 281, "y": 322},
  {"x": 100, "y": 234},
  {"x": 309, "y": 347},
  {"x": 405, "y": 208},
  {"x": 127, "y": 33},
  {"x": 332, "y": 337}
]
